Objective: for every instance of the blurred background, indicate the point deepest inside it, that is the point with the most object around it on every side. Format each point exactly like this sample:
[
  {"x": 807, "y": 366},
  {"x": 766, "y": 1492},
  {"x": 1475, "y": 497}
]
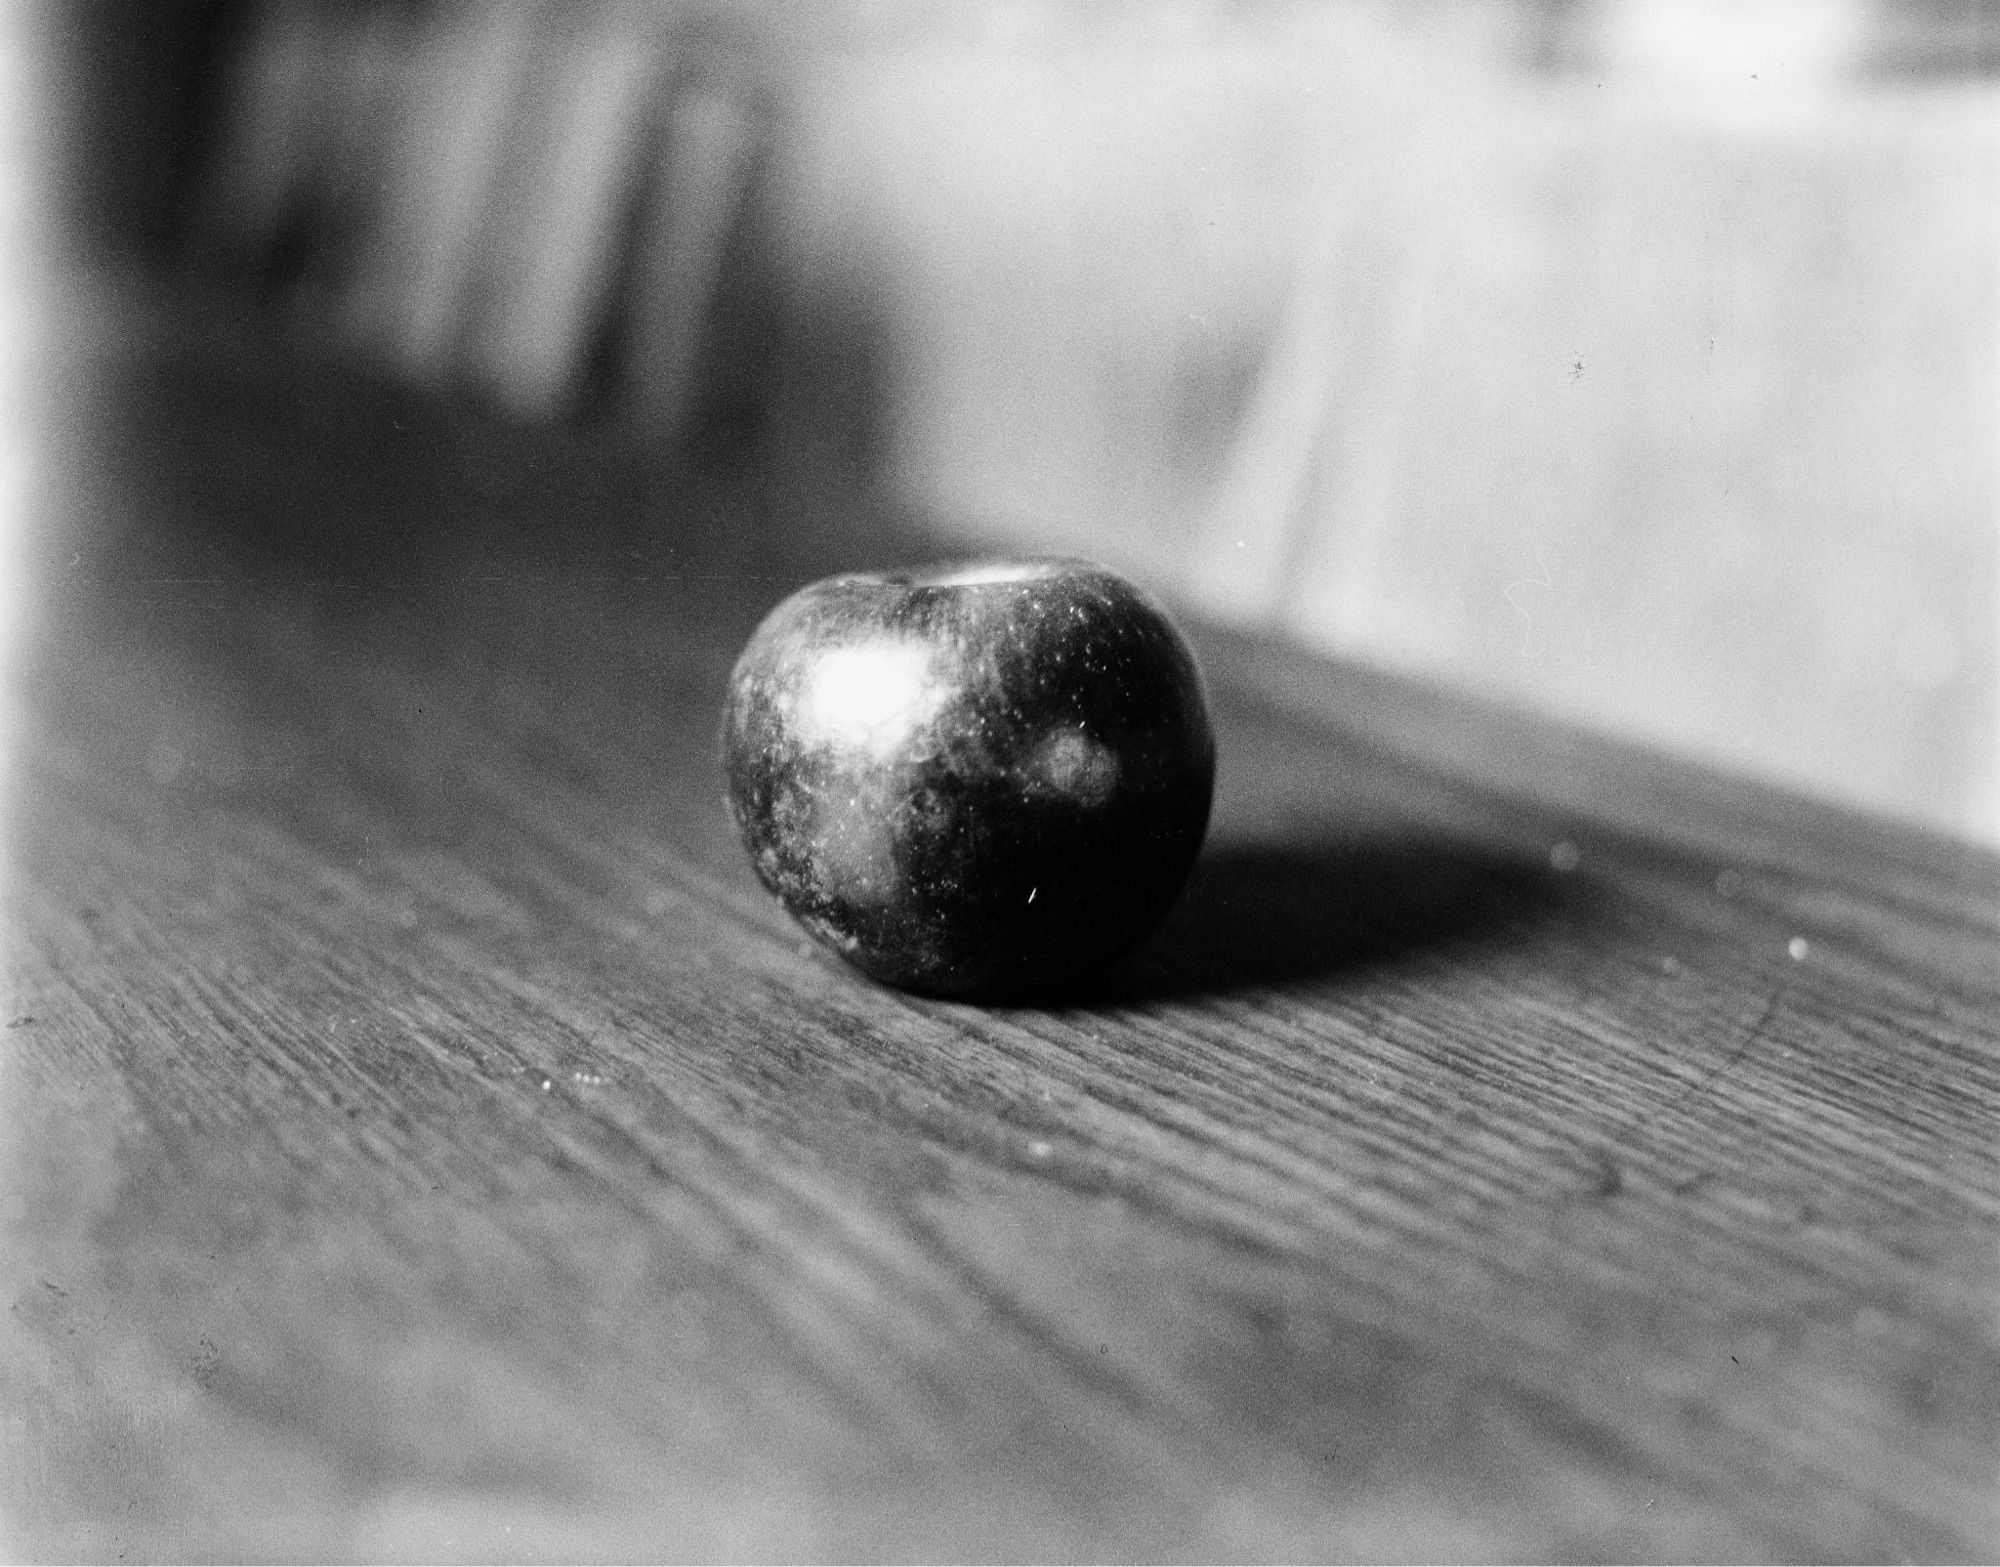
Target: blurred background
[{"x": 1629, "y": 361}]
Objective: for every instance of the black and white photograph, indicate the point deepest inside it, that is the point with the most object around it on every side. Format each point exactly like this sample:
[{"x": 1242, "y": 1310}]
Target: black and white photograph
[{"x": 1000, "y": 781}]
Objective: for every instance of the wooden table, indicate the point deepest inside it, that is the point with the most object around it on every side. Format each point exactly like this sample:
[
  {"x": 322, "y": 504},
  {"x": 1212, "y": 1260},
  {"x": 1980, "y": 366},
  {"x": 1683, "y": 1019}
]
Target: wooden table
[{"x": 426, "y": 1139}]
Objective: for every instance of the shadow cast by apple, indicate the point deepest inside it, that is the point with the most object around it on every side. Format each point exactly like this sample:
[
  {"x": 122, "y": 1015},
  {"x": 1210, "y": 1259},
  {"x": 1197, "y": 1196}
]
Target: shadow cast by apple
[{"x": 1269, "y": 914}]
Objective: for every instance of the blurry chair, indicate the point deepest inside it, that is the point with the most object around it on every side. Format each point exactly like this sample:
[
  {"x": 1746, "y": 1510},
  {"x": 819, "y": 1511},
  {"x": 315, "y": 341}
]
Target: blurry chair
[{"x": 505, "y": 198}]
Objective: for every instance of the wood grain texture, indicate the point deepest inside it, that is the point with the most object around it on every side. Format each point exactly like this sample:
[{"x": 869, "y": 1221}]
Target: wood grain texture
[{"x": 425, "y": 1140}]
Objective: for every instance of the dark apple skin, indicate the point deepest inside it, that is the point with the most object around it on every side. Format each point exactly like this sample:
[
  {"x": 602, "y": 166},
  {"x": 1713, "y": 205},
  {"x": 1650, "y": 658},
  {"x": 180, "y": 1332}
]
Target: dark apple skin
[{"x": 982, "y": 781}]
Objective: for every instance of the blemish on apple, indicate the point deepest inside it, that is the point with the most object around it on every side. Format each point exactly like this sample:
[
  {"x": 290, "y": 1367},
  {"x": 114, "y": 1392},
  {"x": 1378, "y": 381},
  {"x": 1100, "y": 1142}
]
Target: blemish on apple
[{"x": 1070, "y": 763}]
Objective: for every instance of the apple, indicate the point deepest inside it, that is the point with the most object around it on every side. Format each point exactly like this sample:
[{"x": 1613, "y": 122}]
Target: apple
[{"x": 976, "y": 781}]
